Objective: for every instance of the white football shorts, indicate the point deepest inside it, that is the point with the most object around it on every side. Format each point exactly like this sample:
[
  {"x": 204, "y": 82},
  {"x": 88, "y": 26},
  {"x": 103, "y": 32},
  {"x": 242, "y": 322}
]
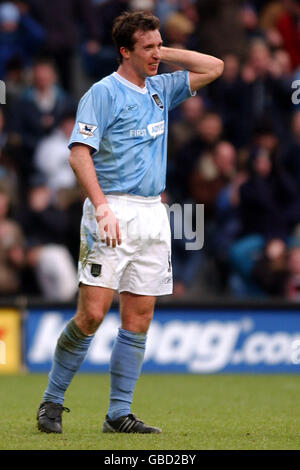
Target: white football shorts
[{"x": 142, "y": 263}]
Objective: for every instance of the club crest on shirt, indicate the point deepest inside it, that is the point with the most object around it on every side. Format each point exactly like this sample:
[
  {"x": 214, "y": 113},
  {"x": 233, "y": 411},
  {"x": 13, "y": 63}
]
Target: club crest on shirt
[
  {"x": 87, "y": 130},
  {"x": 157, "y": 101}
]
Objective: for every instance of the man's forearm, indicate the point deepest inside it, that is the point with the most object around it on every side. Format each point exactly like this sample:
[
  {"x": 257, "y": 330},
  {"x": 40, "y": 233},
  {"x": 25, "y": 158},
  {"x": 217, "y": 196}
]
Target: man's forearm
[
  {"x": 82, "y": 165},
  {"x": 204, "y": 68},
  {"x": 189, "y": 60}
]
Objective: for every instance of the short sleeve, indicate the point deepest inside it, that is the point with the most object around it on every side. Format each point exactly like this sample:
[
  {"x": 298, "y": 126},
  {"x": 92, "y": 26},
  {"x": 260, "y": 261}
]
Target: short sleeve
[
  {"x": 177, "y": 87},
  {"x": 92, "y": 118}
]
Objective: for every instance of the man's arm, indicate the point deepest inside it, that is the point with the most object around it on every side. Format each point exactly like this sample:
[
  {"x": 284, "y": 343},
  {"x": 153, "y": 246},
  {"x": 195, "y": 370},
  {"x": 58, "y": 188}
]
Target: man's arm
[
  {"x": 203, "y": 69},
  {"x": 82, "y": 164}
]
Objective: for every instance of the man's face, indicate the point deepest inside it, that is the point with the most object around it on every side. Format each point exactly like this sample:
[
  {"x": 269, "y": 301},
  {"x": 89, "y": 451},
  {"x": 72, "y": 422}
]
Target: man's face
[
  {"x": 43, "y": 76},
  {"x": 145, "y": 57}
]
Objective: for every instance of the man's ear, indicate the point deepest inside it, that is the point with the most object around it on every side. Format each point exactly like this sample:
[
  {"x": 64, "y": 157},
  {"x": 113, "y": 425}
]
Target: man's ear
[{"x": 125, "y": 53}]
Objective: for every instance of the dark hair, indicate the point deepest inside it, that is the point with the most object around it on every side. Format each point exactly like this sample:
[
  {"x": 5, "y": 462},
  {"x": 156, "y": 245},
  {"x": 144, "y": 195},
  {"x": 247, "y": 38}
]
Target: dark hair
[
  {"x": 127, "y": 24},
  {"x": 44, "y": 60},
  {"x": 68, "y": 113}
]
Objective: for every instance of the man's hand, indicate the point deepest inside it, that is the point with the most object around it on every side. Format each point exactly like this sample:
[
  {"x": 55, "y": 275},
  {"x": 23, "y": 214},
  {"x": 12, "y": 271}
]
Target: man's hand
[{"x": 109, "y": 229}]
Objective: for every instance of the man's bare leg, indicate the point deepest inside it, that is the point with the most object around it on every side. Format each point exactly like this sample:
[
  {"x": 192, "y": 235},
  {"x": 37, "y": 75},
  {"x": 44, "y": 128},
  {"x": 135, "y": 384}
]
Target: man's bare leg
[{"x": 93, "y": 303}]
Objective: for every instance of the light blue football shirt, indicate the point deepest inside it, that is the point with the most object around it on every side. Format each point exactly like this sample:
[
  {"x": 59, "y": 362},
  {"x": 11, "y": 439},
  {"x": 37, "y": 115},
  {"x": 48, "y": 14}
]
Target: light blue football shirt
[{"x": 127, "y": 126}]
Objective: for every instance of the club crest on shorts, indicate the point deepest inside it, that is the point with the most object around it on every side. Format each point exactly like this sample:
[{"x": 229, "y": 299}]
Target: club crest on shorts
[
  {"x": 96, "y": 270},
  {"x": 157, "y": 101}
]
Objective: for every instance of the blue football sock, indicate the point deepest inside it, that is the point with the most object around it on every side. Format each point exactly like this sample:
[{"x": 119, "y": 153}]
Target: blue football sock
[
  {"x": 125, "y": 367},
  {"x": 71, "y": 349}
]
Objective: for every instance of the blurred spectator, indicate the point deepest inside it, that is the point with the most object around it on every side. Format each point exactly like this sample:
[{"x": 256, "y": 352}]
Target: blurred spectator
[
  {"x": 264, "y": 138},
  {"x": 268, "y": 18},
  {"x": 67, "y": 23},
  {"x": 165, "y": 8},
  {"x": 54, "y": 271},
  {"x": 212, "y": 173},
  {"x": 145, "y": 5},
  {"x": 262, "y": 5},
  {"x": 20, "y": 36},
  {"x": 208, "y": 132},
  {"x": 102, "y": 60},
  {"x": 243, "y": 254},
  {"x": 249, "y": 21},
  {"x": 220, "y": 30},
  {"x": 291, "y": 159},
  {"x": 7, "y": 168},
  {"x": 46, "y": 228},
  {"x": 288, "y": 27},
  {"x": 51, "y": 156},
  {"x": 71, "y": 200},
  {"x": 227, "y": 224},
  {"x": 267, "y": 93},
  {"x": 270, "y": 202},
  {"x": 11, "y": 246},
  {"x": 178, "y": 32},
  {"x": 229, "y": 93},
  {"x": 36, "y": 114},
  {"x": 281, "y": 65},
  {"x": 270, "y": 271},
  {"x": 3, "y": 134},
  {"x": 186, "y": 264},
  {"x": 42, "y": 221},
  {"x": 183, "y": 130},
  {"x": 293, "y": 281},
  {"x": 16, "y": 79},
  {"x": 269, "y": 209}
]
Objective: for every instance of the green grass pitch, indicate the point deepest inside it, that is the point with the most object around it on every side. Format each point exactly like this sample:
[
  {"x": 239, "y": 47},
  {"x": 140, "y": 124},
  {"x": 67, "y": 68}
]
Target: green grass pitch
[{"x": 196, "y": 412}]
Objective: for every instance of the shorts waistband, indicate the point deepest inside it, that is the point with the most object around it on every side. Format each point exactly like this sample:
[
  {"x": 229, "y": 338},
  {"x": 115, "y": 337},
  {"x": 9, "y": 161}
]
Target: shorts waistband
[{"x": 134, "y": 198}]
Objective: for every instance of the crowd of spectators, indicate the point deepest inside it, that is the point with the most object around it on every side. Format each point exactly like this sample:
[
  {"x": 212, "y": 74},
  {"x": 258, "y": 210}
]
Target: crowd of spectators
[{"x": 234, "y": 147}]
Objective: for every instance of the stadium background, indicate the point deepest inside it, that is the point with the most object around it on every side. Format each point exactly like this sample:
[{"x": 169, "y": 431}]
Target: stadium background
[{"x": 235, "y": 148}]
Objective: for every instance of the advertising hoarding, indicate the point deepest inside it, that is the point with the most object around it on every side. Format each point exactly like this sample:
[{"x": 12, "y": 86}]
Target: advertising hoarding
[
  {"x": 10, "y": 341},
  {"x": 183, "y": 341}
]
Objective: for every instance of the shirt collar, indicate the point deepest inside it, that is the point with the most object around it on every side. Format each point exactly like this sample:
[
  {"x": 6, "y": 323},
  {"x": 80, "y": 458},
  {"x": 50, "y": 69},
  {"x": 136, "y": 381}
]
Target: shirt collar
[{"x": 129, "y": 84}]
